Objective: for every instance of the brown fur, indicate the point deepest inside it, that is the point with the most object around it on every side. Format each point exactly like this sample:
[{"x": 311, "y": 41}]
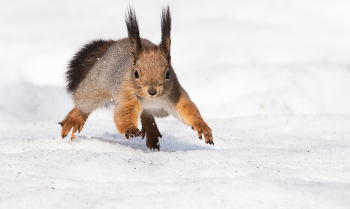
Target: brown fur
[
  {"x": 76, "y": 120},
  {"x": 138, "y": 75},
  {"x": 152, "y": 68},
  {"x": 191, "y": 116},
  {"x": 127, "y": 113},
  {"x": 150, "y": 130}
]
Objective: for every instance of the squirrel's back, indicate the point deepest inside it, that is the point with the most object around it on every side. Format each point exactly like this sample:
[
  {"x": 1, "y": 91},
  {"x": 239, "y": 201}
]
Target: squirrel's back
[
  {"x": 104, "y": 62},
  {"x": 83, "y": 61}
]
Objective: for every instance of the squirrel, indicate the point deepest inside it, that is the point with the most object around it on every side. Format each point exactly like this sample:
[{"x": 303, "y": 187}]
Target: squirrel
[{"x": 138, "y": 77}]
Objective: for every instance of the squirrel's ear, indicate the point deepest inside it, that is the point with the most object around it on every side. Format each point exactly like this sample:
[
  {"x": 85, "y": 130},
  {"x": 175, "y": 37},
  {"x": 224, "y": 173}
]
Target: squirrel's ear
[
  {"x": 134, "y": 34},
  {"x": 166, "y": 28}
]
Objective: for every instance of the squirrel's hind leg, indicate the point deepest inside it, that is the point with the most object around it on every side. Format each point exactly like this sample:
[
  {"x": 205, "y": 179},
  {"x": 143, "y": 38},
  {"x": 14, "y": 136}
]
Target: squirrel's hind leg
[
  {"x": 150, "y": 130},
  {"x": 85, "y": 100},
  {"x": 76, "y": 120}
]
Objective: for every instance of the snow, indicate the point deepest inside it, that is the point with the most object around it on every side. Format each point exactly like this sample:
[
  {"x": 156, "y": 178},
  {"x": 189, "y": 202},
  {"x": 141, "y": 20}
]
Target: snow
[
  {"x": 259, "y": 162},
  {"x": 271, "y": 79}
]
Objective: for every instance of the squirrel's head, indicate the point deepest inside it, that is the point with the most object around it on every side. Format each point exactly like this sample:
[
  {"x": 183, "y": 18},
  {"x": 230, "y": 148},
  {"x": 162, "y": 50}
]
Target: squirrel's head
[{"x": 152, "y": 73}]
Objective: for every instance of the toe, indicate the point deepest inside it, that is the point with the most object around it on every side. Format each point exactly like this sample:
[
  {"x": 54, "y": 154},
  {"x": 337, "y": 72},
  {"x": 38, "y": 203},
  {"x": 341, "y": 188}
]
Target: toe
[
  {"x": 143, "y": 132},
  {"x": 65, "y": 130},
  {"x": 81, "y": 127},
  {"x": 75, "y": 129}
]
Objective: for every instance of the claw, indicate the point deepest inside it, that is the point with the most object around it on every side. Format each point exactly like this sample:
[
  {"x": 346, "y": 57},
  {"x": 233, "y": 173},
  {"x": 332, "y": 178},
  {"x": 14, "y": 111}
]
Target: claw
[
  {"x": 131, "y": 133},
  {"x": 80, "y": 127},
  {"x": 143, "y": 132},
  {"x": 73, "y": 137},
  {"x": 61, "y": 124}
]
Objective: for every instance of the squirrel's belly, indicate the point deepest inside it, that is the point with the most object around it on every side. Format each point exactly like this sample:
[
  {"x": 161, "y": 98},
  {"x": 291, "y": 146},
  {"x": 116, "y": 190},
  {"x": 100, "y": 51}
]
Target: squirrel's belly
[{"x": 159, "y": 107}]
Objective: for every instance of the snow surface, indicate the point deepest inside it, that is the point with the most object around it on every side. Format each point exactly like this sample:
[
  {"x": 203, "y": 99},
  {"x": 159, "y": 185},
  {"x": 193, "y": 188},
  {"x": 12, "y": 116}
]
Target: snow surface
[
  {"x": 271, "y": 78},
  {"x": 259, "y": 162}
]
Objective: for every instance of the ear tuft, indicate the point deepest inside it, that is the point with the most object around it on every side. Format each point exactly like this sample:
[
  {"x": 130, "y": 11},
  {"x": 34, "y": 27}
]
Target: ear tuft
[
  {"x": 133, "y": 33},
  {"x": 166, "y": 28}
]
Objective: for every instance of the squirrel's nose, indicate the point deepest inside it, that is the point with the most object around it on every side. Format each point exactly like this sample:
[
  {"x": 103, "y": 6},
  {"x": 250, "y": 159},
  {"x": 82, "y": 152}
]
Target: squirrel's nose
[{"x": 152, "y": 92}]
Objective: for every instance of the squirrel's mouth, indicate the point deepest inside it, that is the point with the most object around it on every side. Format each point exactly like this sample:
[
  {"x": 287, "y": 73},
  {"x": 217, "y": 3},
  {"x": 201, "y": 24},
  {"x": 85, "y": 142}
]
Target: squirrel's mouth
[
  {"x": 151, "y": 93},
  {"x": 152, "y": 96}
]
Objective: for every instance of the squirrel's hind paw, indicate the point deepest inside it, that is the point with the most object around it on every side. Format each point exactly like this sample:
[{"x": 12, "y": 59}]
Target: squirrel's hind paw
[
  {"x": 76, "y": 120},
  {"x": 152, "y": 135},
  {"x": 66, "y": 127},
  {"x": 152, "y": 144}
]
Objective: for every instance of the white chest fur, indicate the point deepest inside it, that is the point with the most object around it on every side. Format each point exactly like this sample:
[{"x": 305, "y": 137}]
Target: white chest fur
[{"x": 159, "y": 107}]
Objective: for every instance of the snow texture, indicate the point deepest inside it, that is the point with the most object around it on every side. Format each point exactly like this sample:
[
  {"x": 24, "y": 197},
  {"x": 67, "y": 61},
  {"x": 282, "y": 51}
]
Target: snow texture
[
  {"x": 259, "y": 162},
  {"x": 270, "y": 77}
]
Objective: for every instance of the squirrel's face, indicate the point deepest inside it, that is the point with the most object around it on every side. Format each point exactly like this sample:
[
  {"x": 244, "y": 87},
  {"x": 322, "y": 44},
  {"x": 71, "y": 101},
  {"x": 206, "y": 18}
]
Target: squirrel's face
[{"x": 152, "y": 75}]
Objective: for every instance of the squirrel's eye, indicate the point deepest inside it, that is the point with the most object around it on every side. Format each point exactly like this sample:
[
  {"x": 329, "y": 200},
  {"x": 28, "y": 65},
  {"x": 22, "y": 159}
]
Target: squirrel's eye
[
  {"x": 136, "y": 74},
  {"x": 167, "y": 76}
]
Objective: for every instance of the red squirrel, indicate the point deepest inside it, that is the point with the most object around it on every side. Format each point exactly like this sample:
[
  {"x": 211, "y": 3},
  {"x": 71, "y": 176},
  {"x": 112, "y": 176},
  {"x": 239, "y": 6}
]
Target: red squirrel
[{"x": 137, "y": 76}]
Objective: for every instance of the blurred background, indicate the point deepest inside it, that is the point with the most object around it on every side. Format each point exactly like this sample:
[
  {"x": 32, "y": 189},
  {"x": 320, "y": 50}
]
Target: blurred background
[{"x": 236, "y": 58}]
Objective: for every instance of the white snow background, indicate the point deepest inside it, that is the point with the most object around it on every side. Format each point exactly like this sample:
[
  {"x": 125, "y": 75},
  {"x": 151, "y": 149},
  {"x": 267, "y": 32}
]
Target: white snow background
[{"x": 271, "y": 78}]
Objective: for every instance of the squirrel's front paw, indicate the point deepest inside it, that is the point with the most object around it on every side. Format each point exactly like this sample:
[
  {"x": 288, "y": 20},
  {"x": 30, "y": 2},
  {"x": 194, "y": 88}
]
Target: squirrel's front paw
[
  {"x": 133, "y": 132},
  {"x": 204, "y": 129}
]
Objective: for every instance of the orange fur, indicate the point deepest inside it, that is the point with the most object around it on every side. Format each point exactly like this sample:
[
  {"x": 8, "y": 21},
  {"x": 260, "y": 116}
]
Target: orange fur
[
  {"x": 190, "y": 115},
  {"x": 126, "y": 114},
  {"x": 76, "y": 120},
  {"x": 134, "y": 72}
]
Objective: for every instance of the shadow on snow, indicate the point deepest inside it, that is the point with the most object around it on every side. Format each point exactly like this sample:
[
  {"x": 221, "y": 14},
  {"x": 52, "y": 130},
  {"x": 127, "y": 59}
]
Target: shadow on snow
[{"x": 168, "y": 143}]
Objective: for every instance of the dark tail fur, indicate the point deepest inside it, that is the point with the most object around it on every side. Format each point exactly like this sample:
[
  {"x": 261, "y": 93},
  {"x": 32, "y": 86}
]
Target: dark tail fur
[{"x": 83, "y": 61}]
